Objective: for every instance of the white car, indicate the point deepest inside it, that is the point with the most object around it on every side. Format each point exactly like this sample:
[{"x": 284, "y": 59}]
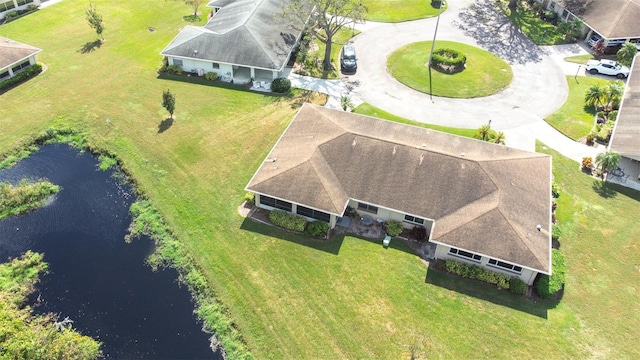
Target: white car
[{"x": 607, "y": 67}]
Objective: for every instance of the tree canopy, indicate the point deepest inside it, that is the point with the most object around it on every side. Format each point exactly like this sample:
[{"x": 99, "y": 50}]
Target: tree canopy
[
  {"x": 327, "y": 18},
  {"x": 95, "y": 20},
  {"x": 626, "y": 53},
  {"x": 169, "y": 102},
  {"x": 608, "y": 161}
]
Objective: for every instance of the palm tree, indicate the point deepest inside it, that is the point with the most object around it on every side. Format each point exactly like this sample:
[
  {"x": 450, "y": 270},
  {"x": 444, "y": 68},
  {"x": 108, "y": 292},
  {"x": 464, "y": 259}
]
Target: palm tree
[
  {"x": 345, "y": 103},
  {"x": 614, "y": 91},
  {"x": 499, "y": 138},
  {"x": 594, "y": 95},
  {"x": 607, "y": 161},
  {"x": 483, "y": 133},
  {"x": 626, "y": 53}
]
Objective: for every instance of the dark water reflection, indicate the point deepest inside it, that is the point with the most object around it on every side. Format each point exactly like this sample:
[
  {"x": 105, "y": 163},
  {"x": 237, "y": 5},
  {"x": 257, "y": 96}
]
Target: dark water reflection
[{"x": 95, "y": 278}]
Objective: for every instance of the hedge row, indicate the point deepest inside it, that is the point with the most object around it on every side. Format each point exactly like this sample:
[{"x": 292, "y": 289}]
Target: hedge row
[
  {"x": 502, "y": 281},
  {"x": 547, "y": 286},
  {"x": 317, "y": 228},
  {"x": 24, "y": 75},
  {"x": 287, "y": 221}
]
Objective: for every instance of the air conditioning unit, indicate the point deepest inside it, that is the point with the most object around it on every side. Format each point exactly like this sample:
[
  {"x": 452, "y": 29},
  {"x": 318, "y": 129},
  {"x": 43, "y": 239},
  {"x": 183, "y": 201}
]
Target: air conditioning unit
[{"x": 200, "y": 72}]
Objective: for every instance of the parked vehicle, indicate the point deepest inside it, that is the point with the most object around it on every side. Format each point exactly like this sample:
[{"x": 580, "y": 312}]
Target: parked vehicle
[
  {"x": 607, "y": 67},
  {"x": 348, "y": 60}
]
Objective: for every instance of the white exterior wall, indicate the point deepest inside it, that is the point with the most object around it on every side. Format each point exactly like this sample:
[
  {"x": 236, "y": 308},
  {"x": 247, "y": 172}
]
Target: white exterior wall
[
  {"x": 223, "y": 69},
  {"x": 294, "y": 207},
  {"x": 32, "y": 61},
  {"x": 386, "y": 215},
  {"x": 15, "y": 3},
  {"x": 527, "y": 275}
]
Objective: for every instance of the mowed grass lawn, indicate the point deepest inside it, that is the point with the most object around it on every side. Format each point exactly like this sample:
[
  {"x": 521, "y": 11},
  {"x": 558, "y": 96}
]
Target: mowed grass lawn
[
  {"x": 485, "y": 73},
  {"x": 292, "y": 298},
  {"x": 575, "y": 119},
  {"x": 400, "y": 10}
]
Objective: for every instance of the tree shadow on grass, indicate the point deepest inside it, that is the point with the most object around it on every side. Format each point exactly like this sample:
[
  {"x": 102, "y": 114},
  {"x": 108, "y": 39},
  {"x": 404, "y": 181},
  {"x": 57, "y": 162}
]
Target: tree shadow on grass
[
  {"x": 490, "y": 293},
  {"x": 90, "y": 46},
  {"x": 493, "y": 31},
  {"x": 165, "y": 125},
  {"x": 604, "y": 189},
  {"x": 331, "y": 245}
]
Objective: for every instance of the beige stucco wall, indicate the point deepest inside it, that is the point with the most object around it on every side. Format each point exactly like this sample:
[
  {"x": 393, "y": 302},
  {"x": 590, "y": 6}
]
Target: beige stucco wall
[
  {"x": 527, "y": 275},
  {"x": 386, "y": 215}
]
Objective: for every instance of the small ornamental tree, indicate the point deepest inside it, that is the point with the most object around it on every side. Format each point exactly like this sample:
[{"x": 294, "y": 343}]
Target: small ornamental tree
[
  {"x": 95, "y": 20},
  {"x": 394, "y": 228},
  {"x": 169, "y": 102},
  {"x": 607, "y": 161}
]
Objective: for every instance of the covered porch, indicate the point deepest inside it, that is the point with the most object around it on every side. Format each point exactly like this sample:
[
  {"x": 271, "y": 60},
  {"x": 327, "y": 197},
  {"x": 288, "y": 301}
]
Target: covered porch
[{"x": 627, "y": 174}]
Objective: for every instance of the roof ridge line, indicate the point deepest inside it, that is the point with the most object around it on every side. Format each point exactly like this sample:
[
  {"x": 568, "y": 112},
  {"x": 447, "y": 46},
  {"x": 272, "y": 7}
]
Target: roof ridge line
[
  {"x": 520, "y": 237},
  {"x": 496, "y": 206}
]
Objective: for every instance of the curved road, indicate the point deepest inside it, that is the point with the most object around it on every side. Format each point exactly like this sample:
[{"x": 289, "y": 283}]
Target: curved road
[{"x": 539, "y": 84}]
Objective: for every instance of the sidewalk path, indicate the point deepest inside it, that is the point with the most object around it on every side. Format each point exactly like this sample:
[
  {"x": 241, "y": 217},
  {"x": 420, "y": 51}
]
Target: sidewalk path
[{"x": 538, "y": 88}]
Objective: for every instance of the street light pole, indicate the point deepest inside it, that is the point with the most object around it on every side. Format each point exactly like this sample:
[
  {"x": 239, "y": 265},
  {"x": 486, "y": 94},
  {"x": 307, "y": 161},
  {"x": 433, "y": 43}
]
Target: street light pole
[{"x": 432, "y": 46}]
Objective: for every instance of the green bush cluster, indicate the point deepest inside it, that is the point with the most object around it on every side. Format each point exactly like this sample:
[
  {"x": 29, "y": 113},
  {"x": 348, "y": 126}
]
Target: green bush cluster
[
  {"x": 549, "y": 285},
  {"x": 448, "y": 60},
  {"x": 25, "y": 196},
  {"x": 517, "y": 286},
  {"x": 604, "y": 132},
  {"x": 287, "y": 221},
  {"x": 174, "y": 69},
  {"x": 478, "y": 273},
  {"x": 28, "y": 73},
  {"x": 211, "y": 76},
  {"x": 17, "y": 13},
  {"x": 317, "y": 228},
  {"x": 281, "y": 85},
  {"x": 394, "y": 228},
  {"x": 555, "y": 232}
]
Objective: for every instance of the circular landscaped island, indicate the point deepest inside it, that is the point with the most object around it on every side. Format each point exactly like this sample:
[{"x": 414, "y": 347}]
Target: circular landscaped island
[{"x": 459, "y": 70}]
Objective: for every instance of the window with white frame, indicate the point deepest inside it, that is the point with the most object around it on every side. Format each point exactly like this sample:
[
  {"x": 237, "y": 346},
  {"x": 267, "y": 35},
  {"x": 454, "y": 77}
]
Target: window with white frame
[
  {"x": 275, "y": 203},
  {"x": 24, "y": 64},
  {"x": 215, "y": 65},
  {"x": 465, "y": 254},
  {"x": 7, "y": 5},
  {"x": 368, "y": 208},
  {"x": 413, "y": 219},
  {"x": 4, "y": 75},
  {"x": 505, "y": 265},
  {"x": 177, "y": 62}
]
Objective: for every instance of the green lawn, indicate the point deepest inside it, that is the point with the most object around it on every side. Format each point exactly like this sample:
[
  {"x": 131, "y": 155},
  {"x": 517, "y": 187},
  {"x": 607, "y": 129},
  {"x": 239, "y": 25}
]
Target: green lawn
[
  {"x": 290, "y": 297},
  {"x": 538, "y": 30},
  {"x": 370, "y": 110},
  {"x": 574, "y": 118},
  {"x": 485, "y": 73},
  {"x": 400, "y": 10},
  {"x": 582, "y": 59}
]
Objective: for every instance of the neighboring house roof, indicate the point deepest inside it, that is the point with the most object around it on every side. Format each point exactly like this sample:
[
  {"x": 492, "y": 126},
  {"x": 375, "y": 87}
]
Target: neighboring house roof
[
  {"x": 242, "y": 32},
  {"x": 484, "y": 197},
  {"x": 12, "y": 52},
  {"x": 611, "y": 18},
  {"x": 624, "y": 139}
]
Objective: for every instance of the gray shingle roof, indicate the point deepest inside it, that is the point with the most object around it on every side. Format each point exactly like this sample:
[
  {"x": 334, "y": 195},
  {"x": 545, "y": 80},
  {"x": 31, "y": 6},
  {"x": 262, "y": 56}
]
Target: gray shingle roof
[
  {"x": 483, "y": 197},
  {"x": 610, "y": 18},
  {"x": 627, "y": 131},
  {"x": 12, "y": 52},
  {"x": 243, "y": 32}
]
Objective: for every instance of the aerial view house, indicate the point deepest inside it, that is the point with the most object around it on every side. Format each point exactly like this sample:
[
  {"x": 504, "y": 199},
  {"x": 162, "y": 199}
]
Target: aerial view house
[
  {"x": 624, "y": 139},
  {"x": 15, "y": 57},
  {"x": 12, "y": 5},
  {"x": 481, "y": 203},
  {"x": 612, "y": 21},
  {"x": 243, "y": 39}
]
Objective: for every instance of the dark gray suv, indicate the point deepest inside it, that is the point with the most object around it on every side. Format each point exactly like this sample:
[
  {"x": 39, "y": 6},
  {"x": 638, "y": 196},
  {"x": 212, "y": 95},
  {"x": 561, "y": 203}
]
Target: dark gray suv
[{"x": 348, "y": 61}]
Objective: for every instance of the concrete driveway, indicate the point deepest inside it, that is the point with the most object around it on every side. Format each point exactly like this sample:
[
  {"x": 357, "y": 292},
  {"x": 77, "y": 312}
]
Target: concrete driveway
[{"x": 538, "y": 88}]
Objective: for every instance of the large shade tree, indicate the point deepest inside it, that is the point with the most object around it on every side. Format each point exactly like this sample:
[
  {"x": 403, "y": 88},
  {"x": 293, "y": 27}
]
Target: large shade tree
[{"x": 327, "y": 18}]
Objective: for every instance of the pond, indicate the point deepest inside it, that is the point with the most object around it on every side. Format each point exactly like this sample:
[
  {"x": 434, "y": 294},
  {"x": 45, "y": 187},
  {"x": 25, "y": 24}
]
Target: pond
[{"x": 95, "y": 278}]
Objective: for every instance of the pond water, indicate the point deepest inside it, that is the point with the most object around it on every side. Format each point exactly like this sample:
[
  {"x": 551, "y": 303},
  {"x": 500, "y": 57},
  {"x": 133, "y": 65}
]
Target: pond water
[{"x": 95, "y": 278}]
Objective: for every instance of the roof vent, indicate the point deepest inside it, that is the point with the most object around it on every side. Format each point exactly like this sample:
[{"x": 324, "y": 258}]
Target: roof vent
[
  {"x": 424, "y": 145},
  {"x": 355, "y": 141},
  {"x": 271, "y": 160},
  {"x": 421, "y": 158},
  {"x": 462, "y": 154},
  {"x": 195, "y": 52},
  {"x": 395, "y": 148},
  {"x": 538, "y": 227}
]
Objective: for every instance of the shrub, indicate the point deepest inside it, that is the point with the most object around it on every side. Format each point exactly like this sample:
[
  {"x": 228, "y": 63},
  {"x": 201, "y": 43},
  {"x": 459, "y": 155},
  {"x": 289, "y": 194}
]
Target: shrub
[
  {"x": 590, "y": 137},
  {"x": 317, "y": 228},
  {"x": 555, "y": 233},
  {"x": 32, "y": 7},
  {"x": 174, "y": 69},
  {"x": 394, "y": 228},
  {"x": 587, "y": 161},
  {"x": 250, "y": 197},
  {"x": 448, "y": 60},
  {"x": 12, "y": 14},
  {"x": 517, "y": 286},
  {"x": 604, "y": 134},
  {"x": 547, "y": 286},
  {"x": 474, "y": 272},
  {"x": 211, "y": 76},
  {"x": 24, "y": 75},
  {"x": 287, "y": 221},
  {"x": 554, "y": 190},
  {"x": 612, "y": 115},
  {"x": 281, "y": 85}
]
